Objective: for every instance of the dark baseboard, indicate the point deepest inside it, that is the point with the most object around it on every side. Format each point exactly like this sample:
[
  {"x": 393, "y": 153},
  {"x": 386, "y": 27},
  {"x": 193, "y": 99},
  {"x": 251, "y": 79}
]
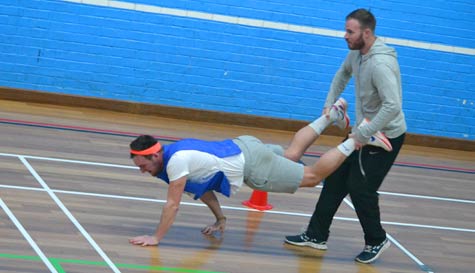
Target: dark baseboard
[{"x": 206, "y": 116}]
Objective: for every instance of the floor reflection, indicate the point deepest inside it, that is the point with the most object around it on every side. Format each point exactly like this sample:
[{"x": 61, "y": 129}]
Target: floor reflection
[{"x": 194, "y": 261}]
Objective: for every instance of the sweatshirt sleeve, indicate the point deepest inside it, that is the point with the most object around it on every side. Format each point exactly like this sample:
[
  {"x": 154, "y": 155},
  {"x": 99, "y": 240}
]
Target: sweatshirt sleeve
[{"x": 339, "y": 82}]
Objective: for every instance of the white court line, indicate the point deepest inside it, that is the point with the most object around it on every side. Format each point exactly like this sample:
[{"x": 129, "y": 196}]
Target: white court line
[
  {"x": 136, "y": 168},
  {"x": 409, "y": 254},
  {"x": 70, "y": 161},
  {"x": 69, "y": 215},
  {"x": 421, "y": 265},
  {"x": 27, "y": 237},
  {"x": 101, "y": 195},
  {"x": 428, "y": 197}
]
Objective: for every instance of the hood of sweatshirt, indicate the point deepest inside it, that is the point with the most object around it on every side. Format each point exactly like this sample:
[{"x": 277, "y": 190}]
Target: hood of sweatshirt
[{"x": 379, "y": 47}]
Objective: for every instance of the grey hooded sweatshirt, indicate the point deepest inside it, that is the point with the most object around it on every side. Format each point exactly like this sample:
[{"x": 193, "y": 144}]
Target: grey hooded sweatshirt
[{"x": 378, "y": 91}]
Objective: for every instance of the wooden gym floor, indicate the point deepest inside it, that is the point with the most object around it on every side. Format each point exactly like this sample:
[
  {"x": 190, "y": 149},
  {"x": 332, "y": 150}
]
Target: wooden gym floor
[{"x": 70, "y": 198}]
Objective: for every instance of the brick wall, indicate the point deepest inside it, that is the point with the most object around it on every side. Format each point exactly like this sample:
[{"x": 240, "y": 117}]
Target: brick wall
[{"x": 266, "y": 58}]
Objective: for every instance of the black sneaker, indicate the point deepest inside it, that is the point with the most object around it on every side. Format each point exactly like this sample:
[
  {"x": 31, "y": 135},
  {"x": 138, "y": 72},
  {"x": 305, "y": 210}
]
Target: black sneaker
[
  {"x": 371, "y": 253},
  {"x": 304, "y": 240}
]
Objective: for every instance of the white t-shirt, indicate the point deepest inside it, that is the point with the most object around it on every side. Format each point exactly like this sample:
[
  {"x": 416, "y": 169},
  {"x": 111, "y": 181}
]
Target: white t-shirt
[{"x": 199, "y": 166}]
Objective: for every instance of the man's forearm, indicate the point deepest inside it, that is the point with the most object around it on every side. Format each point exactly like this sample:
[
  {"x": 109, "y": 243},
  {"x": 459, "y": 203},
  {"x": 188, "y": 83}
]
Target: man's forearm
[
  {"x": 209, "y": 198},
  {"x": 166, "y": 220}
]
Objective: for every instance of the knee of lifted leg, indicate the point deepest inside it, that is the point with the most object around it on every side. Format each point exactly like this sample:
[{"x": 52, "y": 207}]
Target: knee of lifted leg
[
  {"x": 312, "y": 183},
  {"x": 292, "y": 155},
  {"x": 310, "y": 179}
]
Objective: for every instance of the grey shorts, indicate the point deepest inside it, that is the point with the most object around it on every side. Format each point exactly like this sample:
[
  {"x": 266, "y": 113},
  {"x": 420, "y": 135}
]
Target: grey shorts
[{"x": 265, "y": 167}]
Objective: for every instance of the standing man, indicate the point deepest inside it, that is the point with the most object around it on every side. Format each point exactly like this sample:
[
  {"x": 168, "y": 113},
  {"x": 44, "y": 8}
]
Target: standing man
[{"x": 378, "y": 99}]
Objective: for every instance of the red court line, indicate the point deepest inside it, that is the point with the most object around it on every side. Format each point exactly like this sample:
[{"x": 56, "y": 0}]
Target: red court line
[
  {"x": 76, "y": 128},
  {"x": 123, "y": 133}
]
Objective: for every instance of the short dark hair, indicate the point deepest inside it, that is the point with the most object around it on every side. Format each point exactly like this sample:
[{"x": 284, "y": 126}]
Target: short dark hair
[
  {"x": 364, "y": 17},
  {"x": 141, "y": 143}
]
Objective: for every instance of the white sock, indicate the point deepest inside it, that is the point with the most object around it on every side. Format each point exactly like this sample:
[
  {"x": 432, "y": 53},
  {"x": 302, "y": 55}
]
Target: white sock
[
  {"x": 320, "y": 124},
  {"x": 347, "y": 147}
]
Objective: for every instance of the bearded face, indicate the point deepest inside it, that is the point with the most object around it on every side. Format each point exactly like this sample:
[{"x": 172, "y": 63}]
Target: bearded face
[
  {"x": 354, "y": 35},
  {"x": 357, "y": 43},
  {"x": 152, "y": 165}
]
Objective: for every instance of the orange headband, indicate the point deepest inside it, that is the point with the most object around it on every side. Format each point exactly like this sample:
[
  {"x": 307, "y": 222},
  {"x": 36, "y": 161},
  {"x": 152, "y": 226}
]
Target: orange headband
[{"x": 153, "y": 149}]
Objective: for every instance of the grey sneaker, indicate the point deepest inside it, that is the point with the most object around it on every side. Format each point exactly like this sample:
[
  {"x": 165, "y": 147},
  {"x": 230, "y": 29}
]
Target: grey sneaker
[
  {"x": 371, "y": 253},
  {"x": 341, "y": 119},
  {"x": 304, "y": 240}
]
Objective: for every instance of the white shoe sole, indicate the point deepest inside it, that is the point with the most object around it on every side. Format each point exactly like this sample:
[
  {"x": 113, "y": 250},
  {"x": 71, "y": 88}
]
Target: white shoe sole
[
  {"x": 345, "y": 123},
  {"x": 309, "y": 244},
  {"x": 385, "y": 246},
  {"x": 384, "y": 142}
]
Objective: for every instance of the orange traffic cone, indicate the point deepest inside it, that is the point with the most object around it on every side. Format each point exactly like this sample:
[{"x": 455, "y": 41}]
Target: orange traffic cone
[{"x": 258, "y": 201}]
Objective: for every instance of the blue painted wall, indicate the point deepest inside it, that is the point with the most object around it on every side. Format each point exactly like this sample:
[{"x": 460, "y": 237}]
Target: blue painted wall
[{"x": 63, "y": 47}]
